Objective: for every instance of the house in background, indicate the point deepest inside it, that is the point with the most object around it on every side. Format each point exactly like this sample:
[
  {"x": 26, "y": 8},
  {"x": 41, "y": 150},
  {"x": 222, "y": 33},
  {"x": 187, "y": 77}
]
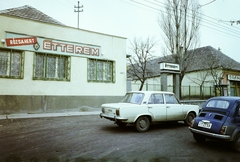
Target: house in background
[
  {"x": 210, "y": 73},
  {"x": 48, "y": 66}
]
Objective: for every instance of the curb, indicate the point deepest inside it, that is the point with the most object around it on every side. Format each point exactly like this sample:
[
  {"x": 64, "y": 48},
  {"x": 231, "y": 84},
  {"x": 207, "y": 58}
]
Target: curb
[{"x": 43, "y": 115}]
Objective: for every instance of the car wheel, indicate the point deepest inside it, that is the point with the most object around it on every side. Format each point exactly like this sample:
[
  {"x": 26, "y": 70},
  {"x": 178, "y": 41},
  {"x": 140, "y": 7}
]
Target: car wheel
[
  {"x": 236, "y": 143},
  {"x": 199, "y": 138},
  {"x": 142, "y": 124},
  {"x": 189, "y": 118},
  {"x": 121, "y": 124}
]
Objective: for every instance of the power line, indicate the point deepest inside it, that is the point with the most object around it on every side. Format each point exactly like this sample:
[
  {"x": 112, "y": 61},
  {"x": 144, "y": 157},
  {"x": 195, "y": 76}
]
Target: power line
[
  {"x": 207, "y": 20},
  {"x": 206, "y": 3},
  {"x": 63, "y": 4},
  {"x": 144, "y": 5},
  {"x": 70, "y": 2}
]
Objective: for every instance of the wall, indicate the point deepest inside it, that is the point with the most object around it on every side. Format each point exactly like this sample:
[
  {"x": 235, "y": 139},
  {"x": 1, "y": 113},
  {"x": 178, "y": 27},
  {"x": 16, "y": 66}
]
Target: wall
[
  {"x": 40, "y": 103},
  {"x": 19, "y": 94},
  {"x": 195, "y": 78}
]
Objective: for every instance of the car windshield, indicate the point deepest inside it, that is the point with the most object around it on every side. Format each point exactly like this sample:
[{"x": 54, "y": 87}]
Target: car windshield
[
  {"x": 222, "y": 104},
  {"x": 133, "y": 98}
]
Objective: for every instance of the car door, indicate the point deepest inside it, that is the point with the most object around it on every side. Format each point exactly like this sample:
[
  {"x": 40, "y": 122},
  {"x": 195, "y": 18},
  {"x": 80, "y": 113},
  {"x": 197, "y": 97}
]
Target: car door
[
  {"x": 174, "y": 109},
  {"x": 237, "y": 116},
  {"x": 157, "y": 107}
]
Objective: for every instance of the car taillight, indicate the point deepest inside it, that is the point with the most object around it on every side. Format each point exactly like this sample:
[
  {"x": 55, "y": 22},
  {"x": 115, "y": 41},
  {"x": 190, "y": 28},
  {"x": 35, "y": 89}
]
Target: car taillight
[
  {"x": 117, "y": 112},
  {"x": 223, "y": 130},
  {"x": 191, "y": 124}
]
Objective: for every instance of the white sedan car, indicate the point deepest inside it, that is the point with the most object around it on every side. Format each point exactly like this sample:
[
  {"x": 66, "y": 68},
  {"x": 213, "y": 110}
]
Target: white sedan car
[{"x": 142, "y": 108}]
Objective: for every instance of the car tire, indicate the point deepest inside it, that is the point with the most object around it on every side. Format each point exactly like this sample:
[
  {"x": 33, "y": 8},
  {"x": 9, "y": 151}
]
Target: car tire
[
  {"x": 142, "y": 124},
  {"x": 189, "y": 118},
  {"x": 199, "y": 138},
  {"x": 121, "y": 124},
  {"x": 236, "y": 143}
]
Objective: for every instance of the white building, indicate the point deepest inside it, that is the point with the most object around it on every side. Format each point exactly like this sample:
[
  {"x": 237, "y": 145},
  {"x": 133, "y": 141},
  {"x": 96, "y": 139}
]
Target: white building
[
  {"x": 46, "y": 65},
  {"x": 207, "y": 68}
]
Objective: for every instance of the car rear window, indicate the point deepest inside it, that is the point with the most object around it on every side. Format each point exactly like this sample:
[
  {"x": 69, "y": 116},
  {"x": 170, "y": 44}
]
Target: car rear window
[
  {"x": 133, "y": 98},
  {"x": 222, "y": 104}
]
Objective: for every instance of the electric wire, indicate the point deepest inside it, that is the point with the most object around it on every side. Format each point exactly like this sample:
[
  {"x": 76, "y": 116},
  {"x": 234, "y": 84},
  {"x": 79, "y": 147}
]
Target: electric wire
[
  {"x": 207, "y": 20},
  {"x": 158, "y": 7},
  {"x": 212, "y": 23},
  {"x": 207, "y": 3},
  {"x": 66, "y": 5}
]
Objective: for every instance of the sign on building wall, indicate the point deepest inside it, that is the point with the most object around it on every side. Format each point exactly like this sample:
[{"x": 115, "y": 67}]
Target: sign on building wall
[
  {"x": 234, "y": 77},
  {"x": 46, "y": 45},
  {"x": 169, "y": 66}
]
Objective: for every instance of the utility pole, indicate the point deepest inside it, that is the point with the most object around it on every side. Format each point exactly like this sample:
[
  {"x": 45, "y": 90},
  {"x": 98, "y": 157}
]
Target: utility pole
[
  {"x": 78, "y": 10},
  {"x": 237, "y": 22}
]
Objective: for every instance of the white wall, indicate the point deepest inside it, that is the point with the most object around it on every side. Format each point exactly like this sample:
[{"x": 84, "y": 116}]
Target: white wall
[
  {"x": 195, "y": 78},
  {"x": 113, "y": 48}
]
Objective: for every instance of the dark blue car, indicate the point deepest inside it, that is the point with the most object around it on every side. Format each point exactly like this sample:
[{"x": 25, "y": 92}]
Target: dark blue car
[{"x": 218, "y": 119}]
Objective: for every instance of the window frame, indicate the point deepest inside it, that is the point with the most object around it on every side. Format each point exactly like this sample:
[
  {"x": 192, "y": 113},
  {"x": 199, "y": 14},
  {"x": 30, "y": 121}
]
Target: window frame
[
  {"x": 46, "y": 56},
  {"x": 96, "y": 72},
  {"x": 22, "y": 57},
  {"x": 156, "y": 98},
  {"x": 218, "y": 104},
  {"x": 171, "y": 99}
]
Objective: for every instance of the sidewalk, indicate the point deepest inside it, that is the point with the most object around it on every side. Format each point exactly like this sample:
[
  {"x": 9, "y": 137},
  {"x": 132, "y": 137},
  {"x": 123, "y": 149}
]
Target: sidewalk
[{"x": 43, "y": 115}]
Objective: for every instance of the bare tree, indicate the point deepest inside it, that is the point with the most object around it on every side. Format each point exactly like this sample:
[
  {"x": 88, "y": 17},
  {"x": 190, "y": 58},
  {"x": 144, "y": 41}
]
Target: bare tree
[
  {"x": 200, "y": 79},
  {"x": 213, "y": 67},
  {"x": 217, "y": 75},
  {"x": 180, "y": 23},
  {"x": 217, "y": 72},
  {"x": 203, "y": 61},
  {"x": 140, "y": 67}
]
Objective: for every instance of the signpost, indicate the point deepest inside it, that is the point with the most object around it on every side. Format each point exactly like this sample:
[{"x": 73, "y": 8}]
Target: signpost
[{"x": 170, "y": 68}]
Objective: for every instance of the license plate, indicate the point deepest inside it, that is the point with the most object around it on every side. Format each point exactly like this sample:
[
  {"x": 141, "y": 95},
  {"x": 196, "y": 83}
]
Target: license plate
[{"x": 205, "y": 125}]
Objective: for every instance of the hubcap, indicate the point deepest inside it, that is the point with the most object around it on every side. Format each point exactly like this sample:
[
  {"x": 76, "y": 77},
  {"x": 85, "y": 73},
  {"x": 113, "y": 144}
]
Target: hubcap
[{"x": 142, "y": 123}]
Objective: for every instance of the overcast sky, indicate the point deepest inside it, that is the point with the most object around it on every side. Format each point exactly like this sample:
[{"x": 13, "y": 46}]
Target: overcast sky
[{"x": 138, "y": 18}]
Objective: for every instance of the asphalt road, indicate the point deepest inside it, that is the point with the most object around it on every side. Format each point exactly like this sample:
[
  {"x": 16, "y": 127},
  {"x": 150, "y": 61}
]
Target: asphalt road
[{"x": 90, "y": 138}]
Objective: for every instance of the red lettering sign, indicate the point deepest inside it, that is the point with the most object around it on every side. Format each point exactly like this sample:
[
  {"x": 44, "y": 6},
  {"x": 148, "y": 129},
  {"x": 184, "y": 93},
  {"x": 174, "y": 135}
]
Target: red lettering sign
[{"x": 21, "y": 41}]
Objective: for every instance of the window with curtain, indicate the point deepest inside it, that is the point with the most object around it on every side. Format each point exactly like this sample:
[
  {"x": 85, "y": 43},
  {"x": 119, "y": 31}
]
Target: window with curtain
[
  {"x": 100, "y": 70},
  {"x": 52, "y": 67},
  {"x": 11, "y": 64}
]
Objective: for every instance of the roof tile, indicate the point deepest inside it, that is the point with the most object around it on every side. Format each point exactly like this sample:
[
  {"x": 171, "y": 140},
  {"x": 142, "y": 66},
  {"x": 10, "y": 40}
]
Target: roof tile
[
  {"x": 202, "y": 59},
  {"x": 28, "y": 12}
]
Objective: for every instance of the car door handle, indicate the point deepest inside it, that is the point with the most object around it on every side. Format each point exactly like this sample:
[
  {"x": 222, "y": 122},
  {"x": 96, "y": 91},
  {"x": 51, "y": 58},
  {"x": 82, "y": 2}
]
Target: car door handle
[
  {"x": 149, "y": 106},
  {"x": 168, "y": 106}
]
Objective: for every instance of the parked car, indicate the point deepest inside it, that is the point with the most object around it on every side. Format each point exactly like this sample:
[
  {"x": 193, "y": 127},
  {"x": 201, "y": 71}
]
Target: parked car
[
  {"x": 142, "y": 108},
  {"x": 218, "y": 119}
]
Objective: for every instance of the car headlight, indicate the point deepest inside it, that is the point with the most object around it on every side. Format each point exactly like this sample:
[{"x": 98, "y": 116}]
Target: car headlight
[{"x": 223, "y": 130}]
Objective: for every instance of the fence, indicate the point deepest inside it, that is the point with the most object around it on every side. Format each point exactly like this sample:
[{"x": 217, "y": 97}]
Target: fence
[{"x": 187, "y": 92}]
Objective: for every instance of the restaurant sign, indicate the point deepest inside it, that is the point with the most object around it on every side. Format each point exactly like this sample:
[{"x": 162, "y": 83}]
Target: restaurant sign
[
  {"x": 234, "y": 77},
  {"x": 39, "y": 44}
]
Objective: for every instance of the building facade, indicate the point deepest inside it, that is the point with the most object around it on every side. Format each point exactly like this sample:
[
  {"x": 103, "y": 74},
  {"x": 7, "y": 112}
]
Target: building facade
[
  {"x": 210, "y": 73},
  {"x": 51, "y": 67}
]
